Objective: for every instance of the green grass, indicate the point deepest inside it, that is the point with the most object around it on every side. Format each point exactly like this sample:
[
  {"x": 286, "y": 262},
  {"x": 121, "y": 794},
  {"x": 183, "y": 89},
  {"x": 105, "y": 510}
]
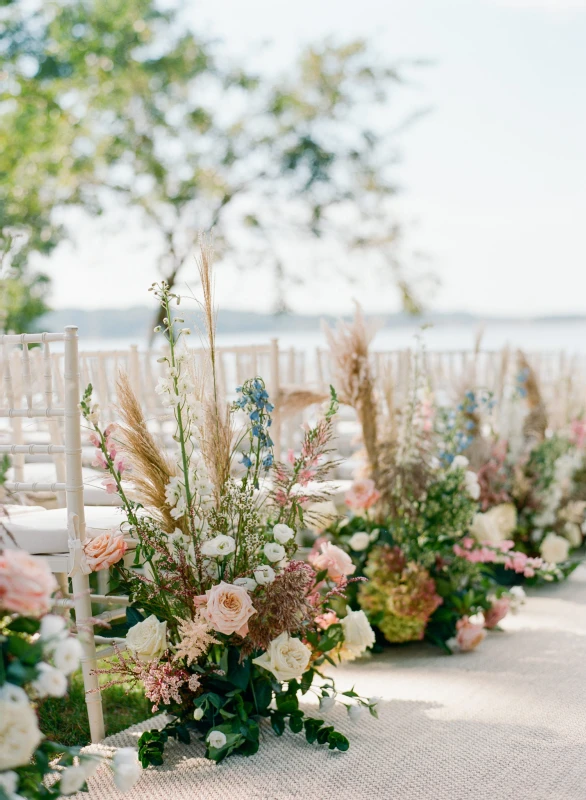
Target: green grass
[{"x": 64, "y": 720}]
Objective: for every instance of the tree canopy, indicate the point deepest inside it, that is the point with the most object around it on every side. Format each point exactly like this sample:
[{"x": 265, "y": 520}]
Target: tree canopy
[{"x": 118, "y": 102}]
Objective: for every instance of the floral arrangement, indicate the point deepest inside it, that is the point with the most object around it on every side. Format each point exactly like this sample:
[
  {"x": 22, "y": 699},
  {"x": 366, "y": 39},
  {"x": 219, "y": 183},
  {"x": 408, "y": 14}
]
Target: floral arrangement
[
  {"x": 532, "y": 483},
  {"x": 412, "y": 523},
  {"x": 227, "y": 627},
  {"x": 37, "y": 656}
]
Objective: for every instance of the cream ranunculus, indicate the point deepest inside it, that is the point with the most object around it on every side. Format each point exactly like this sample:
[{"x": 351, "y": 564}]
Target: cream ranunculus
[
  {"x": 19, "y": 731},
  {"x": 359, "y": 541},
  {"x": 573, "y": 534},
  {"x": 148, "y": 639},
  {"x": 287, "y": 658},
  {"x": 496, "y": 525},
  {"x": 554, "y": 548},
  {"x": 358, "y": 635},
  {"x": 283, "y": 533}
]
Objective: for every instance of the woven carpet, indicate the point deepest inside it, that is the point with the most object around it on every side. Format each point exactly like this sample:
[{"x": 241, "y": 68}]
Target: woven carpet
[{"x": 506, "y": 721}]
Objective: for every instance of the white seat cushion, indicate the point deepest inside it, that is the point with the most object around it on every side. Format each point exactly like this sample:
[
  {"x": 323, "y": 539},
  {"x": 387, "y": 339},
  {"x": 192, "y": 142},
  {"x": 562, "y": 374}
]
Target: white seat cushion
[
  {"x": 12, "y": 510},
  {"x": 94, "y": 493},
  {"x": 45, "y": 532}
]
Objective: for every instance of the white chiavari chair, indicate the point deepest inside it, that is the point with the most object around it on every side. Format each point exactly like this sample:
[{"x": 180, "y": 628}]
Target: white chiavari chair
[{"x": 58, "y": 535}]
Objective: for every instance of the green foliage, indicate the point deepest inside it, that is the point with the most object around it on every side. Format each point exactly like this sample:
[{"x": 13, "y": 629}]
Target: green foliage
[{"x": 105, "y": 104}]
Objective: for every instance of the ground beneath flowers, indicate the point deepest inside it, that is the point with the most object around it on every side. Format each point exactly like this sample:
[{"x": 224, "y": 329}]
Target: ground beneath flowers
[{"x": 505, "y": 722}]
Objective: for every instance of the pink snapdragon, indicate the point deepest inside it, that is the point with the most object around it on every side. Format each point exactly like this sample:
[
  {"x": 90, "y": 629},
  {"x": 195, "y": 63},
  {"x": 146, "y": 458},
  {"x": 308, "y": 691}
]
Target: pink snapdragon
[{"x": 501, "y": 553}]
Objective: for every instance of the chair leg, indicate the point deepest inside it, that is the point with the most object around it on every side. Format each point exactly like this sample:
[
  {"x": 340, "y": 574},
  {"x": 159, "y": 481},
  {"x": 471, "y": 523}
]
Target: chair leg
[{"x": 83, "y": 616}]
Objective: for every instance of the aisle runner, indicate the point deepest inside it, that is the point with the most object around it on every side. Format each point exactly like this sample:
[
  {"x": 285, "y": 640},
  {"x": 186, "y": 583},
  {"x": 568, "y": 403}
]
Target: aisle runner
[{"x": 508, "y": 721}]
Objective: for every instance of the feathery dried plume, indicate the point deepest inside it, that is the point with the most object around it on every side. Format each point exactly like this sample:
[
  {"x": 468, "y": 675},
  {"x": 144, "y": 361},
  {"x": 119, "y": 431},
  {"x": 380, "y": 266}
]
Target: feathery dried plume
[
  {"x": 535, "y": 423},
  {"x": 151, "y": 469},
  {"x": 293, "y": 400},
  {"x": 352, "y": 375}
]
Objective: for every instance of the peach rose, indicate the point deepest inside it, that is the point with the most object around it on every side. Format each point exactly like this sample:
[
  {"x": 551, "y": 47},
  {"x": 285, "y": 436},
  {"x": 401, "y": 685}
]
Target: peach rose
[
  {"x": 362, "y": 494},
  {"x": 105, "y": 549},
  {"x": 498, "y": 611},
  {"x": 26, "y": 583},
  {"x": 469, "y": 635},
  {"x": 228, "y": 608},
  {"x": 335, "y": 560}
]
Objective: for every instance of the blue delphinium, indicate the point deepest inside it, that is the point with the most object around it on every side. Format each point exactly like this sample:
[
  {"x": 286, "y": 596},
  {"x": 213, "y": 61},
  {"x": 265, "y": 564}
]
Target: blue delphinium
[{"x": 254, "y": 401}]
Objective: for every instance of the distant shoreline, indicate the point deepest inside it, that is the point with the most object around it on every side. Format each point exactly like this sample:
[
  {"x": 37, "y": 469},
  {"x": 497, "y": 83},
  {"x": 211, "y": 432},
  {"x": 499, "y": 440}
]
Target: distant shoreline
[{"x": 115, "y": 323}]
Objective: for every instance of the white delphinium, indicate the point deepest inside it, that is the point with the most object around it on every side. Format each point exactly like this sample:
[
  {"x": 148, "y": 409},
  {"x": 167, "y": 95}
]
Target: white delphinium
[
  {"x": 19, "y": 731},
  {"x": 50, "y": 682},
  {"x": 72, "y": 779},
  {"x": 126, "y": 767},
  {"x": 67, "y": 655}
]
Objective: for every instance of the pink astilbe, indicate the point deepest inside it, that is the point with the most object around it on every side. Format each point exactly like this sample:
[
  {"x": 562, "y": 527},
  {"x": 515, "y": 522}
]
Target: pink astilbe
[
  {"x": 196, "y": 639},
  {"x": 162, "y": 682}
]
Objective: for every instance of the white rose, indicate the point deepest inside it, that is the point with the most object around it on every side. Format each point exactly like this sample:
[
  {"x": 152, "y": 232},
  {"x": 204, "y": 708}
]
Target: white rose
[
  {"x": 274, "y": 551},
  {"x": 573, "y": 534},
  {"x": 67, "y": 655},
  {"x": 358, "y": 635},
  {"x": 554, "y": 548},
  {"x": 219, "y": 546},
  {"x": 248, "y": 583},
  {"x": 264, "y": 574},
  {"x": 53, "y": 630},
  {"x": 459, "y": 462},
  {"x": 216, "y": 739},
  {"x": 359, "y": 541},
  {"x": 50, "y": 682},
  {"x": 287, "y": 658},
  {"x": 198, "y": 714},
  {"x": 471, "y": 484},
  {"x": 148, "y": 639},
  {"x": 72, "y": 779},
  {"x": 19, "y": 732},
  {"x": 283, "y": 533}
]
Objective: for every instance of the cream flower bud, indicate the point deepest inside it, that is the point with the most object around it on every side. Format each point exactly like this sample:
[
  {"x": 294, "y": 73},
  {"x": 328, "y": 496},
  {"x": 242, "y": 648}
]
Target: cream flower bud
[
  {"x": 198, "y": 714},
  {"x": 216, "y": 739}
]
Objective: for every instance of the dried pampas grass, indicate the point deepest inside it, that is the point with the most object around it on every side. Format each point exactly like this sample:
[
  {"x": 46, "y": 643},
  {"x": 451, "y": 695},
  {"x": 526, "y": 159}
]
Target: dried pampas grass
[
  {"x": 535, "y": 424},
  {"x": 352, "y": 375},
  {"x": 151, "y": 470},
  {"x": 293, "y": 400}
]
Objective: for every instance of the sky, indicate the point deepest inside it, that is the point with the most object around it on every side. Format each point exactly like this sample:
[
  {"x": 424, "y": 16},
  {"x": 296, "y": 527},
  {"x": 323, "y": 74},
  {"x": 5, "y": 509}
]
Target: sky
[{"x": 493, "y": 178}]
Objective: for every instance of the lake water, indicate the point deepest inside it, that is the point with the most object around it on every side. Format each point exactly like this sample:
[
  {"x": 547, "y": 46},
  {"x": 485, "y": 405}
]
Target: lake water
[{"x": 569, "y": 336}]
